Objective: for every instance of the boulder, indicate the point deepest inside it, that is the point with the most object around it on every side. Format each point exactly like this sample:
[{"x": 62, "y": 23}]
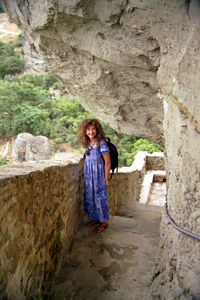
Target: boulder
[
  {"x": 38, "y": 148},
  {"x": 19, "y": 146},
  {"x": 26, "y": 147}
]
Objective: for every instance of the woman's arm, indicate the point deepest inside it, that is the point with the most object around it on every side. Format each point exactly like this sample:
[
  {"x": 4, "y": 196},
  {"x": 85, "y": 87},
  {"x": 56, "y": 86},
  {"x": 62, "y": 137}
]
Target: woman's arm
[{"x": 107, "y": 167}]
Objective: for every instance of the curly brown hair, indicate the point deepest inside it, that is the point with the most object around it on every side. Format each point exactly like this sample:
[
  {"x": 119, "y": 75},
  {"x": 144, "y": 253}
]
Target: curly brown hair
[{"x": 83, "y": 139}]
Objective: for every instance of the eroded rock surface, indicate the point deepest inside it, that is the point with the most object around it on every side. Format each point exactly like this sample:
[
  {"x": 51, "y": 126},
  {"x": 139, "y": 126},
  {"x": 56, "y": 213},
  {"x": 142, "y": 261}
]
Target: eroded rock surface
[{"x": 28, "y": 147}]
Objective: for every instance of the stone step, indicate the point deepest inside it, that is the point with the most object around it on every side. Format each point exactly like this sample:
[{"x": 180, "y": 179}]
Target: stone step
[
  {"x": 157, "y": 194},
  {"x": 140, "y": 211},
  {"x": 141, "y": 225}
]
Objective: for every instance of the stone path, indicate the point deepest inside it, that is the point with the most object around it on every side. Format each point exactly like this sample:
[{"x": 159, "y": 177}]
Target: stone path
[
  {"x": 157, "y": 194},
  {"x": 115, "y": 264},
  {"x": 153, "y": 188}
]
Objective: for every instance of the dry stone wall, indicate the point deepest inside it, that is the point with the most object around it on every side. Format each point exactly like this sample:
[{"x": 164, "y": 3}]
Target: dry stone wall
[
  {"x": 155, "y": 161},
  {"x": 41, "y": 207}
]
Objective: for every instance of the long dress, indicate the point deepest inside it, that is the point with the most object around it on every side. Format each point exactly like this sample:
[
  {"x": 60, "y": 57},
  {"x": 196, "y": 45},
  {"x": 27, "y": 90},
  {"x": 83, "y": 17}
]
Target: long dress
[{"x": 95, "y": 191}]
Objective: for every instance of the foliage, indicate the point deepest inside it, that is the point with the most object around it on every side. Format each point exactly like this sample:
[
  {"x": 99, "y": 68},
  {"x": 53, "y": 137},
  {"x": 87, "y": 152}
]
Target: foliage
[
  {"x": 10, "y": 63},
  {"x": 65, "y": 117},
  {"x": 2, "y": 161},
  {"x": 23, "y": 108},
  {"x": 44, "y": 81},
  {"x": 131, "y": 146},
  {"x": 1, "y": 8}
]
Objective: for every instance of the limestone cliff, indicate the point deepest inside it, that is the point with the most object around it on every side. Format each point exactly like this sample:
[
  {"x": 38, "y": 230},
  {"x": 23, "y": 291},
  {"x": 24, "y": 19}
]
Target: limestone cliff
[{"x": 115, "y": 56}]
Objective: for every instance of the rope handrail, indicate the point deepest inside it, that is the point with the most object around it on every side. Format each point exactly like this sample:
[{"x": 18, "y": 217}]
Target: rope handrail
[{"x": 175, "y": 225}]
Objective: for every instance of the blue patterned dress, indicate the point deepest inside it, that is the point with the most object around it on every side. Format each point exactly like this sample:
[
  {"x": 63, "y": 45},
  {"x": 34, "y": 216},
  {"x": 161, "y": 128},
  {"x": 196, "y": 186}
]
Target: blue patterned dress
[{"x": 95, "y": 191}]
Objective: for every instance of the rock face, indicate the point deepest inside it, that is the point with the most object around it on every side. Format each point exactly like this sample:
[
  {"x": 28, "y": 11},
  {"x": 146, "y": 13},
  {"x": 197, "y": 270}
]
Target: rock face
[
  {"x": 115, "y": 56},
  {"x": 29, "y": 148}
]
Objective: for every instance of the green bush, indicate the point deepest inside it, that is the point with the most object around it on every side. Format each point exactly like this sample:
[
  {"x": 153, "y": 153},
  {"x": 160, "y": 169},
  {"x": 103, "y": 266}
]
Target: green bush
[
  {"x": 44, "y": 81},
  {"x": 7, "y": 49},
  {"x": 23, "y": 108},
  {"x": 10, "y": 63},
  {"x": 18, "y": 44},
  {"x": 2, "y": 161}
]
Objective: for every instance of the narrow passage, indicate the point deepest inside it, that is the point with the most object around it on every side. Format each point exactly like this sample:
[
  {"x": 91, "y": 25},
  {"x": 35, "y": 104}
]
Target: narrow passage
[{"x": 115, "y": 264}]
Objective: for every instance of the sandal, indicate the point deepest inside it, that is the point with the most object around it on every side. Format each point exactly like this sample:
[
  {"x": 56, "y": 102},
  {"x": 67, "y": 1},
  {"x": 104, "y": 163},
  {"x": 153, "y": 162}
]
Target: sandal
[
  {"x": 92, "y": 223},
  {"x": 100, "y": 228}
]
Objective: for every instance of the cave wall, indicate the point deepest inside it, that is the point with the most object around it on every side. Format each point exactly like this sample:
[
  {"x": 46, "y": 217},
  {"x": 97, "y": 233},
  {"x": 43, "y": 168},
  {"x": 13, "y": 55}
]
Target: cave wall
[{"x": 123, "y": 60}]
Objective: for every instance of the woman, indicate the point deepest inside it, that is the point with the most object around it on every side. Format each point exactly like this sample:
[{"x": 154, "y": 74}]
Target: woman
[{"x": 96, "y": 173}]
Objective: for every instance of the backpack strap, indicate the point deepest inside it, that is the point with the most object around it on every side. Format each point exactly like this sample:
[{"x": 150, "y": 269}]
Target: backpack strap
[{"x": 107, "y": 141}]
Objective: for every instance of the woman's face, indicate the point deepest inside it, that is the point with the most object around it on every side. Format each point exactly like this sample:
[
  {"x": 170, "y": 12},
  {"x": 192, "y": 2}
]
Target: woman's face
[{"x": 91, "y": 132}]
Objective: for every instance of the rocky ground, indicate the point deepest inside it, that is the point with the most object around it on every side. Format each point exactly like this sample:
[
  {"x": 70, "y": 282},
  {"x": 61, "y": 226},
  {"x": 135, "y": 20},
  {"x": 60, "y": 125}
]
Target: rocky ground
[{"x": 8, "y": 31}]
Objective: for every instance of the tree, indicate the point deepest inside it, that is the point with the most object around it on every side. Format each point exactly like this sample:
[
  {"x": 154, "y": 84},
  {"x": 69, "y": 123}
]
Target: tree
[{"x": 23, "y": 107}]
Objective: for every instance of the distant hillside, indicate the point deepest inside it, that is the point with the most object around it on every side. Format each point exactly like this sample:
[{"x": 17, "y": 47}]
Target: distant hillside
[{"x": 9, "y": 32}]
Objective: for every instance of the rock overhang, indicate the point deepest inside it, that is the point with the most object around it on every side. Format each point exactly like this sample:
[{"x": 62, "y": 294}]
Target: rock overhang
[{"x": 105, "y": 54}]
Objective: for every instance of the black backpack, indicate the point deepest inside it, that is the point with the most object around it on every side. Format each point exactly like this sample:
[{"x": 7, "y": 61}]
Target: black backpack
[{"x": 113, "y": 156}]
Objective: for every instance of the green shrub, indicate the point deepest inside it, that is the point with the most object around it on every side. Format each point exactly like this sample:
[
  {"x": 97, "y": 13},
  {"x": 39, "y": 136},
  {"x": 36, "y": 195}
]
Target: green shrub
[
  {"x": 1, "y": 8},
  {"x": 23, "y": 108},
  {"x": 18, "y": 44},
  {"x": 44, "y": 81},
  {"x": 2, "y": 161},
  {"x": 10, "y": 63},
  {"x": 7, "y": 49}
]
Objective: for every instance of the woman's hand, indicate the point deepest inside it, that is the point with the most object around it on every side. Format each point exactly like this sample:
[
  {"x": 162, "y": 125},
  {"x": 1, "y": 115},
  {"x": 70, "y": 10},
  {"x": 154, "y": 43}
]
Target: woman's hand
[{"x": 107, "y": 183}]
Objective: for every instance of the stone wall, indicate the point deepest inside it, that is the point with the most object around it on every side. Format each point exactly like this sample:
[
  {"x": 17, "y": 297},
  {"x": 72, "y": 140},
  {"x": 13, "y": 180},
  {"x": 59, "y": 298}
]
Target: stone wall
[
  {"x": 41, "y": 208},
  {"x": 155, "y": 161}
]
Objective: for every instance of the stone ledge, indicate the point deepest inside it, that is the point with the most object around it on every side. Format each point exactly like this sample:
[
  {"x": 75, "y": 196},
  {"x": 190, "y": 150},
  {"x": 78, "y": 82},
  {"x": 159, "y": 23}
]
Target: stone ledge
[{"x": 24, "y": 168}]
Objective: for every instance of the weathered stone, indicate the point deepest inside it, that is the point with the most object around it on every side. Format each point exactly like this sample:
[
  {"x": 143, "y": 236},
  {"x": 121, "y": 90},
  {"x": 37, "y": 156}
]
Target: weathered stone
[
  {"x": 36, "y": 228},
  {"x": 19, "y": 146},
  {"x": 30, "y": 148},
  {"x": 38, "y": 148}
]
